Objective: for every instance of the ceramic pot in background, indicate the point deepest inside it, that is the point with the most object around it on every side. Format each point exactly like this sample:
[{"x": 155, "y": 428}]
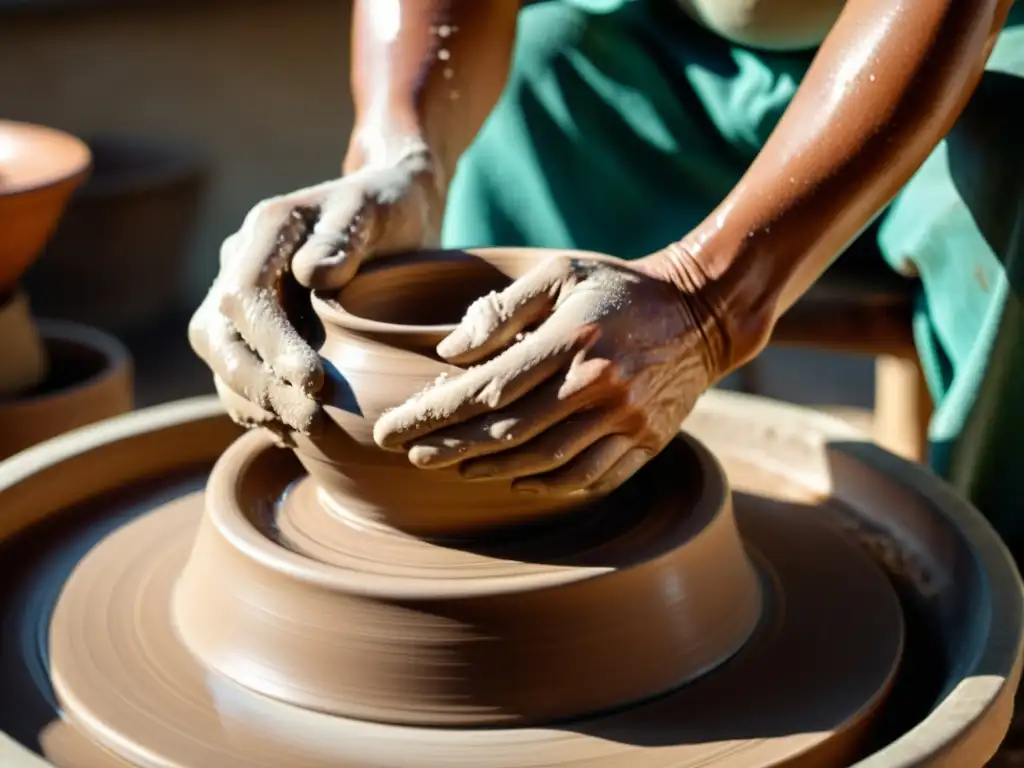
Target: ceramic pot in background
[
  {"x": 118, "y": 258},
  {"x": 89, "y": 379},
  {"x": 380, "y": 334},
  {"x": 39, "y": 169},
  {"x": 22, "y": 353}
]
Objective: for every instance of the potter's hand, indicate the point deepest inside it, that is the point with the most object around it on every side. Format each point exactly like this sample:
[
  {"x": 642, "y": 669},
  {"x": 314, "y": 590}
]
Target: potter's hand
[
  {"x": 616, "y": 359},
  {"x": 265, "y": 372}
]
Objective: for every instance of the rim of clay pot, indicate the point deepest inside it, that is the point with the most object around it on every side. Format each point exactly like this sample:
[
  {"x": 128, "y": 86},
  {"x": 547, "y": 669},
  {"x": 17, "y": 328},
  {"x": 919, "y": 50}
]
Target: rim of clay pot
[
  {"x": 232, "y": 522},
  {"x": 331, "y": 306},
  {"x": 78, "y": 164},
  {"x": 115, "y": 357}
]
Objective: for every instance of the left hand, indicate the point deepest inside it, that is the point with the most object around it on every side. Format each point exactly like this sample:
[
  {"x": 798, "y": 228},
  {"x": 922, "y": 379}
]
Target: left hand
[{"x": 617, "y": 356}]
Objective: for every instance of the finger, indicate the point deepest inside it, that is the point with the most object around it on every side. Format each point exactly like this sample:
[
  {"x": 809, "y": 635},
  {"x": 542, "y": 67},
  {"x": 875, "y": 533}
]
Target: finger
[
  {"x": 237, "y": 369},
  {"x": 234, "y": 363},
  {"x": 260, "y": 253},
  {"x": 621, "y": 471},
  {"x": 504, "y": 430},
  {"x": 271, "y": 233},
  {"x": 241, "y": 410},
  {"x": 586, "y": 469},
  {"x": 489, "y": 387},
  {"x": 492, "y": 321},
  {"x": 268, "y": 400},
  {"x": 333, "y": 250},
  {"x": 228, "y": 250},
  {"x": 553, "y": 449},
  {"x": 262, "y": 323}
]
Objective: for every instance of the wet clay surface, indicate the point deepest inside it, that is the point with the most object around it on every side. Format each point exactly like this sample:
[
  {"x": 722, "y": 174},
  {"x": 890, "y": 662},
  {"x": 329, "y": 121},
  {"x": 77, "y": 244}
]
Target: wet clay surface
[
  {"x": 127, "y": 679},
  {"x": 379, "y": 348},
  {"x": 507, "y": 629}
]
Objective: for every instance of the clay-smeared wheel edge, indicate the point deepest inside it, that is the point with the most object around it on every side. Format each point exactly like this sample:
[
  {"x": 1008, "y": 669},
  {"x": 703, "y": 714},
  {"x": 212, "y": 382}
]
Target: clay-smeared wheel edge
[{"x": 972, "y": 719}]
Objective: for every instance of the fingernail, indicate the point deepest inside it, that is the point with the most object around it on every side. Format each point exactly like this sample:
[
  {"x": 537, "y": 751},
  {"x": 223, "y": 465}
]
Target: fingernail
[
  {"x": 476, "y": 471},
  {"x": 455, "y": 343},
  {"x": 528, "y": 488},
  {"x": 423, "y": 456}
]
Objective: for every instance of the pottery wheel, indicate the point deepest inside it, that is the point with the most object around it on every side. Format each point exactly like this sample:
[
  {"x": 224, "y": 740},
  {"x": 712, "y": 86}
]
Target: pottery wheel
[{"x": 801, "y": 690}]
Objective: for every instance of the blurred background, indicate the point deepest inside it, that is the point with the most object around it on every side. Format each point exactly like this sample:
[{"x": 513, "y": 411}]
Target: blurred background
[{"x": 195, "y": 111}]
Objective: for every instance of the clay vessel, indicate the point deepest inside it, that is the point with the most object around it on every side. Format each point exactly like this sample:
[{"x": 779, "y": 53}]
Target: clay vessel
[
  {"x": 39, "y": 169},
  {"x": 380, "y": 333},
  {"x": 527, "y": 627},
  {"x": 23, "y": 361},
  {"x": 89, "y": 379},
  {"x": 118, "y": 257}
]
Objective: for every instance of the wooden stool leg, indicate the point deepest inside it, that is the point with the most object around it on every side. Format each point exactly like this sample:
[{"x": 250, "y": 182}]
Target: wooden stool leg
[{"x": 903, "y": 407}]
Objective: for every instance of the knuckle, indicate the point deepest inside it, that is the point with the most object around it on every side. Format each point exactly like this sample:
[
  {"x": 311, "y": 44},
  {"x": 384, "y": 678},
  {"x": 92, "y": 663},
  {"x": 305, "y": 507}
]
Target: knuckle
[
  {"x": 492, "y": 393},
  {"x": 610, "y": 375},
  {"x": 272, "y": 208},
  {"x": 230, "y": 297},
  {"x": 227, "y": 248},
  {"x": 589, "y": 473},
  {"x": 558, "y": 265},
  {"x": 503, "y": 428},
  {"x": 633, "y": 416},
  {"x": 197, "y": 333}
]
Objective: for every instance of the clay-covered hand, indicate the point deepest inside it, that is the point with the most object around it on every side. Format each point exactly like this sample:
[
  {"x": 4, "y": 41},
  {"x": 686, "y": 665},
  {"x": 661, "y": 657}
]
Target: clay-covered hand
[
  {"x": 584, "y": 370},
  {"x": 265, "y": 372}
]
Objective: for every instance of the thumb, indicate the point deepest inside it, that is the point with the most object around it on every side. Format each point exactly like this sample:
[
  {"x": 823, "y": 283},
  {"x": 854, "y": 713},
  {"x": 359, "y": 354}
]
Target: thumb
[
  {"x": 334, "y": 249},
  {"x": 492, "y": 321}
]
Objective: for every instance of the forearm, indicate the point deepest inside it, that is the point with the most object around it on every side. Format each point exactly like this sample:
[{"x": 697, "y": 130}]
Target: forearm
[
  {"x": 886, "y": 86},
  {"x": 426, "y": 72}
]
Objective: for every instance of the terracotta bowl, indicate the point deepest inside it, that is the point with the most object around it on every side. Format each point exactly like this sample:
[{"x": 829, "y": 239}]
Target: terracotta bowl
[
  {"x": 39, "y": 169},
  {"x": 90, "y": 379},
  {"x": 380, "y": 333}
]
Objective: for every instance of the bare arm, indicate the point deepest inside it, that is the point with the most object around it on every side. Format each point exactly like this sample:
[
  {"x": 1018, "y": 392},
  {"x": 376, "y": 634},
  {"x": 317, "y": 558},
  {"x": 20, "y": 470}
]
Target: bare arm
[
  {"x": 426, "y": 72},
  {"x": 886, "y": 86}
]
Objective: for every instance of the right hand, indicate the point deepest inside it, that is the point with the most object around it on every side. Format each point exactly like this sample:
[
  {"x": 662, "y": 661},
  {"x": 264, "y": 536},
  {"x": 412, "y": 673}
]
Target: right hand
[{"x": 266, "y": 374}]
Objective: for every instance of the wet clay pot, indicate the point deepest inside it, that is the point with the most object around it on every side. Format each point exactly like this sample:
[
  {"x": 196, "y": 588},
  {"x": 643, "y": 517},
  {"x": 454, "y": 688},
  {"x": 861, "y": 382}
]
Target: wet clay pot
[
  {"x": 89, "y": 379},
  {"x": 117, "y": 260},
  {"x": 373, "y": 624},
  {"x": 380, "y": 333},
  {"x": 362, "y": 530},
  {"x": 39, "y": 169}
]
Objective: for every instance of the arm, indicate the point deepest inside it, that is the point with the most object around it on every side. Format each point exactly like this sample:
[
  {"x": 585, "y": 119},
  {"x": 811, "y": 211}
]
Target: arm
[
  {"x": 425, "y": 74},
  {"x": 884, "y": 89},
  {"x": 620, "y": 352}
]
